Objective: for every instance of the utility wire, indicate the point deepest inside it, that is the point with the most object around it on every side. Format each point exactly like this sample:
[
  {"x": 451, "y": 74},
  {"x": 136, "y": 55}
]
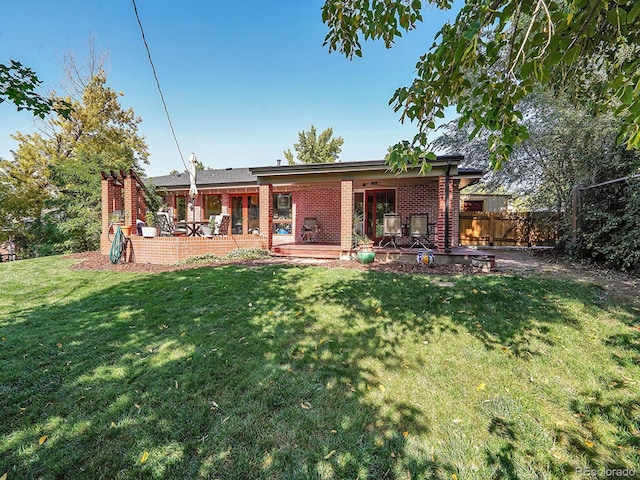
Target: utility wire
[{"x": 155, "y": 75}]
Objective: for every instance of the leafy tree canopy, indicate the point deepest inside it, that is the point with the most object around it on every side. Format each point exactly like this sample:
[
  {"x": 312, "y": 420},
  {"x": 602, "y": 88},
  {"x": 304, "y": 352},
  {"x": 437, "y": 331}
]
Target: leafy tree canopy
[
  {"x": 54, "y": 177},
  {"x": 18, "y": 85},
  {"x": 566, "y": 146},
  {"x": 497, "y": 52},
  {"x": 312, "y": 148}
]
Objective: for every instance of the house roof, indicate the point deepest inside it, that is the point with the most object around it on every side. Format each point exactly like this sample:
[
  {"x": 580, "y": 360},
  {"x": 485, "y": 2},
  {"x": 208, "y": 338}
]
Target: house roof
[
  {"x": 221, "y": 177},
  {"x": 311, "y": 172},
  {"x": 341, "y": 167}
]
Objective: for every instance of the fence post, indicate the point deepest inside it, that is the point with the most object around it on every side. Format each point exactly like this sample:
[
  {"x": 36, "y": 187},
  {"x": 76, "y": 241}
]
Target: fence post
[
  {"x": 576, "y": 202},
  {"x": 492, "y": 227}
]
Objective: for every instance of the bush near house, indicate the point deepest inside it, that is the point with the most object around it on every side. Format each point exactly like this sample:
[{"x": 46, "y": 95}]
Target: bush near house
[{"x": 609, "y": 226}]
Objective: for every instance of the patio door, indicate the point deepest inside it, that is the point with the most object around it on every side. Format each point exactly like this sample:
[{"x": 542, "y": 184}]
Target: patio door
[
  {"x": 245, "y": 214},
  {"x": 378, "y": 202}
]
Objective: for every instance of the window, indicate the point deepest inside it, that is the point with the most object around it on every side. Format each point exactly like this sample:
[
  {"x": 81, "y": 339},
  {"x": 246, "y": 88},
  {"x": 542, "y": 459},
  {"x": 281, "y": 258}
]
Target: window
[
  {"x": 181, "y": 208},
  {"x": 473, "y": 205},
  {"x": 245, "y": 214},
  {"x": 282, "y": 214},
  {"x": 212, "y": 206}
]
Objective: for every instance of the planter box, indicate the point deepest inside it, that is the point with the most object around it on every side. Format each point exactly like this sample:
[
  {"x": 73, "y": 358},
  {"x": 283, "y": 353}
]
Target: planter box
[{"x": 149, "y": 232}]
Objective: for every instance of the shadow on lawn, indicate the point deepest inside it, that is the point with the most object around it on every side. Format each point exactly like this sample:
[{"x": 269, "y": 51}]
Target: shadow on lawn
[{"x": 229, "y": 372}]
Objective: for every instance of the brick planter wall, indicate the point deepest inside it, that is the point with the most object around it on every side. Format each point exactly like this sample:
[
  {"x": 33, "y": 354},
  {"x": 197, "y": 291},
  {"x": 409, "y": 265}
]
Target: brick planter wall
[{"x": 170, "y": 250}]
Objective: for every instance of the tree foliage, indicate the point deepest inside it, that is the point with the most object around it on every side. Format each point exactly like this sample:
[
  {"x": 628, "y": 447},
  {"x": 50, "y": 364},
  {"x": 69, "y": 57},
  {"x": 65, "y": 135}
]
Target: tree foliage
[
  {"x": 18, "y": 84},
  {"x": 566, "y": 146},
  {"x": 312, "y": 148},
  {"x": 609, "y": 225},
  {"x": 53, "y": 181},
  {"x": 495, "y": 54}
]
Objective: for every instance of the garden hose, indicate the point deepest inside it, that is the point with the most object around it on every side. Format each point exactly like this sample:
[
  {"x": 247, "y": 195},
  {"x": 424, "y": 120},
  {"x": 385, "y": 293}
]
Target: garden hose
[{"x": 117, "y": 246}]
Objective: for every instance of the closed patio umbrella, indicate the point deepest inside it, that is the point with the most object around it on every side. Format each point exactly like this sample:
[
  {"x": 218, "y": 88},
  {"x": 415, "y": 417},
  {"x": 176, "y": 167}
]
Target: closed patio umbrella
[{"x": 193, "y": 189}]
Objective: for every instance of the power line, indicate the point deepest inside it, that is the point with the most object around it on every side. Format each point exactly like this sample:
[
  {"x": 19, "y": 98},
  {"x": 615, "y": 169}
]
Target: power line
[{"x": 155, "y": 75}]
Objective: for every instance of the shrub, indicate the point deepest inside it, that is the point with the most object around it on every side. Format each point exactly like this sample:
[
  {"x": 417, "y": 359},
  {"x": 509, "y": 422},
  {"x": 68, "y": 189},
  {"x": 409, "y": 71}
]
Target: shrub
[{"x": 246, "y": 254}]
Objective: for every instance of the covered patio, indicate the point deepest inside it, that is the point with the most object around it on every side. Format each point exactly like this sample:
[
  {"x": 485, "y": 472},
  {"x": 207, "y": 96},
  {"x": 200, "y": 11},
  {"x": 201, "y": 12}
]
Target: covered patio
[{"x": 269, "y": 205}]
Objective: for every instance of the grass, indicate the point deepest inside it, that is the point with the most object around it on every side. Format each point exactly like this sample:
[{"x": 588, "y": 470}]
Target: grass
[{"x": 299, "y": 372}]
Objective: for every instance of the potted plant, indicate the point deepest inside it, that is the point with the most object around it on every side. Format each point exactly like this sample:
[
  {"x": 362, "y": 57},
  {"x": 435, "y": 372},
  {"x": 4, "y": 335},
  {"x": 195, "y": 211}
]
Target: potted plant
[
  {"x": 209, "y": 228},
  {"x": 126, "y": 229},
  {"x": 364, "y": 248},
  {"x": 150, "y": 230}
]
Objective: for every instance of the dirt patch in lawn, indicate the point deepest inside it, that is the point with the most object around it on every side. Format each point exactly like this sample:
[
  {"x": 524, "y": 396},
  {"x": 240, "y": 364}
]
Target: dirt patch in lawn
[
  {"x": 96, "y": 261},
  {"x": 617, "y": 284},
  {"x": 525, "y": 262}
]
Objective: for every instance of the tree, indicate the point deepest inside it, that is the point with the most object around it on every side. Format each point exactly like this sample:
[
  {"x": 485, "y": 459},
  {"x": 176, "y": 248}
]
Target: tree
[
  {"x": 496, "y": 53},
  {"x": 566, "y": 146},
  {"x": 313, "y": 149},
  {"x": 18, "y": 85},
  {"x": 66, "y": 157}
]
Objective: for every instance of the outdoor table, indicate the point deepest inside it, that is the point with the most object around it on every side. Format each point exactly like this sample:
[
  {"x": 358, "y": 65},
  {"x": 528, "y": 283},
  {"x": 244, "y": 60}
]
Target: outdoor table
[{"x": 193, "y": 228}]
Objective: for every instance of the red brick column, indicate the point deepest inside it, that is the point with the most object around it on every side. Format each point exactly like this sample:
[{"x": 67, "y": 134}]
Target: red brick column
[
  {"x": 130, "y": 202},
  {"x": 346, "y": 214},
  {"x": 108, "y": 202},
  {"x": 225, "y": 200},
  {"x": 454, "y": 214},
  {"x": 266, "y": 212}
]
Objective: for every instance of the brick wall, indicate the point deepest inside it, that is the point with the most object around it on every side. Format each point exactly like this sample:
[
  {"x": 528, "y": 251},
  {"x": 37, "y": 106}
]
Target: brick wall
[
  {"x": 411, "y": 199},
  {"x": 346, "y": 214},
  {"x": 170, "y": 250},
  {"x": 266, "y": 212},
  {"x": 322, "y": 203}
]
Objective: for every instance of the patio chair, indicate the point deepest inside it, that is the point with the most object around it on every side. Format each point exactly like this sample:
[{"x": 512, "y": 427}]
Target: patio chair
[
  {"x": 310, "y": 230},
  {"x": 221, "y": 224},
  {"x": 167, "y": 227},
  {"x": 419, "y": 230},
  {"x": 391, "y": 228}
]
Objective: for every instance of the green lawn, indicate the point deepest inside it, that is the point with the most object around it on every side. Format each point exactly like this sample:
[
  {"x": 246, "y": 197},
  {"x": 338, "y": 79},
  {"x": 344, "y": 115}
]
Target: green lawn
[{"x": 237, "y": 372}]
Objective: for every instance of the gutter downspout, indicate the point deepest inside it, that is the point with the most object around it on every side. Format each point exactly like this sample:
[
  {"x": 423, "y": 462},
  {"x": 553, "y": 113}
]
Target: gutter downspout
[{"x": 447, "y": 246}]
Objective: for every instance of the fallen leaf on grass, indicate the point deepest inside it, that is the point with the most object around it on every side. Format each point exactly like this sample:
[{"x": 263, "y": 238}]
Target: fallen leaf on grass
[
  {"x": 113, "y": 424},
  {"x": 378, "y": 310},
  {"x": 329, "y": 455},
  {"x": 454, "y": 476},
  {"x": 480, "y": 386},
  {"x": 144, "y": 457},
  {"x": 589, "y": 444},
  {"x": 305, "y": 405},
  {"x": 42, "y": 439}
]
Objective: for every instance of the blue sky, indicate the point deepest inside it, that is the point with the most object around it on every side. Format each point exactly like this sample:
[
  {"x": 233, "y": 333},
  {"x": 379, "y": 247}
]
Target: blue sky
[{"x": 240, "y": 79}]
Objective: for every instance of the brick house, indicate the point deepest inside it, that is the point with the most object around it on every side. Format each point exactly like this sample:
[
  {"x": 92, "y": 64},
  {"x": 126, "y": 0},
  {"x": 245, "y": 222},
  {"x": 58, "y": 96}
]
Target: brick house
[{"x": 268, "y": 205}]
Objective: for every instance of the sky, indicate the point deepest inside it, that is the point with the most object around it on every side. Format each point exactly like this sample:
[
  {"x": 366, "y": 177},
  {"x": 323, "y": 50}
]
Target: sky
[{"x": 240, "y": 79}]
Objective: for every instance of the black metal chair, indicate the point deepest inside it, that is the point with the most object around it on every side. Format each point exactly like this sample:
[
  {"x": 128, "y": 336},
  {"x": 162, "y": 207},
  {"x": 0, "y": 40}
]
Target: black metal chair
[{"x": 167, "y": 227}]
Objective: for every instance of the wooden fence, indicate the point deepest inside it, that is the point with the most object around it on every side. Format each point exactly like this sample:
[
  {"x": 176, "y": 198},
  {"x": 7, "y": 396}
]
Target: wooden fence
[{"x": 508, "y": 229}]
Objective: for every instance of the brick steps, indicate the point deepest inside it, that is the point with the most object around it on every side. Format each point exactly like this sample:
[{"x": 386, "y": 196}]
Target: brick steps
[{"x": 307, "y": 250}]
